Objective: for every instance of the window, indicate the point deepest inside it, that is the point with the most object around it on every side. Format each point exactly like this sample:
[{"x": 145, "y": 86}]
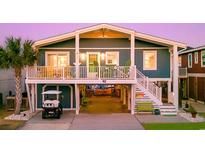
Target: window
[
  {"x": 180, "y": 61},
  {"x": 150, "y": 60},
  {"x": 57, "y": 59},
  {"x": 203, "y": 58},
  {"x": 196, "y": 57},
  {"x": 190, "y": 60},
  {"x": 112, "y": 58}
]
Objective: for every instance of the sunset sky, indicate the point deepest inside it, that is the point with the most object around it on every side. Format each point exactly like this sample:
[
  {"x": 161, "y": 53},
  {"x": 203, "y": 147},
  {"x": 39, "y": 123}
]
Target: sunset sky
[{"x": 191, "y": 34}]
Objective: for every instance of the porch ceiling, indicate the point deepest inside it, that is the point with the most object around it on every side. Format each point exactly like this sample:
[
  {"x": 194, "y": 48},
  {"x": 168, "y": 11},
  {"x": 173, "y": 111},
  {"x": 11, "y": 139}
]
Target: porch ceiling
[{"x": 104, "y": 33}]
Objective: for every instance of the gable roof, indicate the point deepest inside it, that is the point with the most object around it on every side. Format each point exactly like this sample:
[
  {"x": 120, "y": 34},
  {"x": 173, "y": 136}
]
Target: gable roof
[
  {"x": 107, "y": 26},
  {"x": 189, "y": 50}
]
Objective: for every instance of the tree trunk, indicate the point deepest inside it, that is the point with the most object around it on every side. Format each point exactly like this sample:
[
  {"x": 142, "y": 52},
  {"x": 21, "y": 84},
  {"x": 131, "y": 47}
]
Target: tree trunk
[{"x": 18, "y": 97}]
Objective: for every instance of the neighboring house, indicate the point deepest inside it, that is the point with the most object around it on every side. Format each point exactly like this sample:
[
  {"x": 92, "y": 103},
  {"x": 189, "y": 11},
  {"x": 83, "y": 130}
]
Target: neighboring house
[
  {"x": 192, "y": 73},
  {"x": 99, "y": 55},
  {"x": 7, "y": 83}
]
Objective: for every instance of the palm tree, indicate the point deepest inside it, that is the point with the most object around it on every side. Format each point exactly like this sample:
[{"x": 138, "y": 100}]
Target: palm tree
[{"x": 16, "y": 55}]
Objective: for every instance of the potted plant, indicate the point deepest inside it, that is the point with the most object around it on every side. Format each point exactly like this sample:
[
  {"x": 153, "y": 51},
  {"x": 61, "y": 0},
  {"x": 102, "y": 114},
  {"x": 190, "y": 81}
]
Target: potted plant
[
  {"x": 84, "y": 101},
  {"x": 192, "y": 111}
]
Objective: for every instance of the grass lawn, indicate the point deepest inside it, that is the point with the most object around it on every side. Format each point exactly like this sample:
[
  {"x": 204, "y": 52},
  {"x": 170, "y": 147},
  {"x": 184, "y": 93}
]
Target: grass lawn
[
  {"x": 8, "y": 124},
  {"x": 174, "y": 126}
]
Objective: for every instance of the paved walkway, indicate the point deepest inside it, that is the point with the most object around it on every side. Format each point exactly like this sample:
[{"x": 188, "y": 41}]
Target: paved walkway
[
  {"x": 160, "y": 119},
  {"x": 200, "y": 108},
  {"x": 84, "y": 121}
]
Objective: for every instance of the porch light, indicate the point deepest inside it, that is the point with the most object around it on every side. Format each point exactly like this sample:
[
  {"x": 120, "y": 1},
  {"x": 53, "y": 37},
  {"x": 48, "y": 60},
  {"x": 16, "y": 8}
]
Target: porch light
[
  {"x": 103, "y": 56},
  {"x": 82, "y": 56}
]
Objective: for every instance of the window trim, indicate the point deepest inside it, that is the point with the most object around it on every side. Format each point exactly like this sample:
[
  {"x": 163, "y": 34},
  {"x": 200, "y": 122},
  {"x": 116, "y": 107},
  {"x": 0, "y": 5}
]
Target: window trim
[
  {"x": 196, "y": 58},
  {"x": 190, "y": 66},
  {"x": 150, "y": 51},
  {"x": 56, "y": 53},
  {"x": 202, "y": 52},
  {"x": 106, "y": 55}
]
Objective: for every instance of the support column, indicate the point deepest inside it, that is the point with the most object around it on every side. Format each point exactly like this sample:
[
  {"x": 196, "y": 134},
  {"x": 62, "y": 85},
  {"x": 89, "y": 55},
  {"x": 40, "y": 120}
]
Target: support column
[
  {"x": 77, "y": 98},
  {"x": 132, "y": 55},
  {"x": 133, "y": 89},
  {"x": 169, "y": 84},
  {"x": 124, "y": 96},
  {"x": 121, "y": 94},
  {"x": 32, "y": 96},
  {"x": 129, "y": 98},
  {"x": 175, "y": 77},
  {"x": 77, "y": 53}
]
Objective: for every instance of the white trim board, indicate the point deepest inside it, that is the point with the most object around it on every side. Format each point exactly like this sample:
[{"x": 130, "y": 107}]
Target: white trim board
[
  {"x": 90, "y": 48},
  {"x": 196, "y": 74},
  {"x": 160, "y": 79}
]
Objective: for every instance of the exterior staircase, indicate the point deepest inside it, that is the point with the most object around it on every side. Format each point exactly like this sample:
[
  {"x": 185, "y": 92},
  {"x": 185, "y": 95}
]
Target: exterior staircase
[{"x": 150, "y": 92}]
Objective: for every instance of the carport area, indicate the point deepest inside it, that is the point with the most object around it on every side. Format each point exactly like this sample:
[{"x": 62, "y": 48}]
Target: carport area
[{"x": 105, "y": 99}]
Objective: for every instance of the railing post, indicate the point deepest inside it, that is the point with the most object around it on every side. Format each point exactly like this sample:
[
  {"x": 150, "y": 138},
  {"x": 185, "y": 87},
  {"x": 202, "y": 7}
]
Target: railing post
[
  {"x": 147, "y": 83},
  {"x": 63, "y": 73},
  {"x": 160, "y": 93},
  {"x": 99, "y": 72},
  {"x": 26, "y": 72}
]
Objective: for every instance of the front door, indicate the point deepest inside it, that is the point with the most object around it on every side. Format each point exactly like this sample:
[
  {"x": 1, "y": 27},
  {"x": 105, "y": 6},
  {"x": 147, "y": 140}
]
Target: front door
[{"x": 93, "y": 63}]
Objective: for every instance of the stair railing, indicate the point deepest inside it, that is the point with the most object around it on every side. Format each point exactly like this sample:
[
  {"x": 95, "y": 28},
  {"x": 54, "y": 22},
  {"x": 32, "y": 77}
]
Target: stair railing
[{"x": 150, "y": 86}]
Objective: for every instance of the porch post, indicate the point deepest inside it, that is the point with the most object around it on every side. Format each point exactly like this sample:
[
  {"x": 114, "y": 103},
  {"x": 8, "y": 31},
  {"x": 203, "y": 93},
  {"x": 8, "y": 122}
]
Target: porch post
[
  {"x": 133, "y": 89},
  {"x": 129, "y": 97},
  {"x": 32, "y": 96},
  {"x": 77, "y": 52},
  {"x": 121, "y": 93},
  {"x": 132, "y": 55},
  {"x": 124, "y": 96},
  {"x": 175, "y": 76},
  {"x": 77, "y": 98},
  {"x": 169, "y": 90}
]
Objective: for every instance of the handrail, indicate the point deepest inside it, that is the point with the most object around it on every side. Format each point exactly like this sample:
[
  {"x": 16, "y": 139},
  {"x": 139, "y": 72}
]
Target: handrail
[
  {"x": 150, "y": 86},
  {"x": 85, "y": 72}
]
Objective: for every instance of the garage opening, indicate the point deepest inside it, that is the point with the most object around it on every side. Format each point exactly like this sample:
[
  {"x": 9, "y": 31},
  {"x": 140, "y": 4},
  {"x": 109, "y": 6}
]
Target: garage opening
[{"x": 104, "y": 99}]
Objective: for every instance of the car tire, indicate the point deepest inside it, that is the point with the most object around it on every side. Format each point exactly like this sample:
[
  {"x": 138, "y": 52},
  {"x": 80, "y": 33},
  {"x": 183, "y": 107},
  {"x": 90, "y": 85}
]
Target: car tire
[
  {"x": 43, "y": 115},
  {"x": 58, "y": 114}
]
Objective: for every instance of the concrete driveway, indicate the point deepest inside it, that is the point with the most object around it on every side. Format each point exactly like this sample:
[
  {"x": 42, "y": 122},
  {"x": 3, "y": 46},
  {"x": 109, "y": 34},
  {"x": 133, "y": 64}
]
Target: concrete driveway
[
  {"x": 115, "y": 121},
  {"x": 37, "y": 123},
  {"x": 84, "y": 121}
]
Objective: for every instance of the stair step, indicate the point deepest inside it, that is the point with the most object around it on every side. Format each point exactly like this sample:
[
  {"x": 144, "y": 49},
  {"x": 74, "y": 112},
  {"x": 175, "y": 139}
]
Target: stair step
[{"x": 169, "y": 114}]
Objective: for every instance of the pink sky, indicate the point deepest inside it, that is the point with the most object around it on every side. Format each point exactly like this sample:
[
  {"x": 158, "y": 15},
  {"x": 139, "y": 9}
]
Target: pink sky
[{"x": 192, "y": 34}]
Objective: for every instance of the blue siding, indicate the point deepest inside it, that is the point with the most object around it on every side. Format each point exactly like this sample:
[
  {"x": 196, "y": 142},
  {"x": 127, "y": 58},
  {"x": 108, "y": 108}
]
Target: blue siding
[
  {"x": 163, "y": 64},
  {"x": 63, "y": 44}
]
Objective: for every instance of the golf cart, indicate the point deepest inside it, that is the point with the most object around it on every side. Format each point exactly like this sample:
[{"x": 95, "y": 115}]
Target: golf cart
[{"x": 51, "y": 104}]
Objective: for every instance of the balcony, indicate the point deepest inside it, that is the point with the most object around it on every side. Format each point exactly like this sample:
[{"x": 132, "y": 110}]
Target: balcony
[
  {"x": 81, "y": 73},
  {"x": 182, "y": 72}
]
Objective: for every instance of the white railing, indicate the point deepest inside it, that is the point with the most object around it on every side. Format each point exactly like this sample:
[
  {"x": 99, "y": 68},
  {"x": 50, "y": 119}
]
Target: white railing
[
  {"x": 50, "y": 72},
  {"x": 183, "y": 72},
  {"x": 92, "y": 72},
  {"x": 149, "y": 86}
]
